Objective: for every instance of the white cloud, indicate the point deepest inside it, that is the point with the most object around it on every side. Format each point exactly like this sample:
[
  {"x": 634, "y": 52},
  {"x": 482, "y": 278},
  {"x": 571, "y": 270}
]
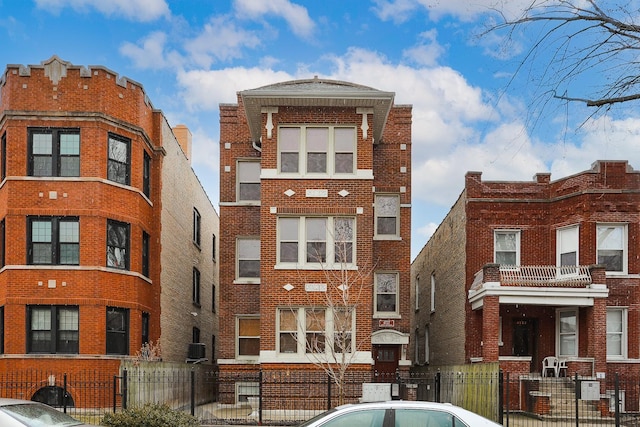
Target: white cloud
[
  {"x": 397, "y": 11},
  {"x": 295, "y": 15},
  {"x": 427, "y": 52},
  {"x": 220, "y": 40},
  {"x": 150, "y": 53},
  {"x": 204, "y": 90},
  {"x": 134, "y": 10}
]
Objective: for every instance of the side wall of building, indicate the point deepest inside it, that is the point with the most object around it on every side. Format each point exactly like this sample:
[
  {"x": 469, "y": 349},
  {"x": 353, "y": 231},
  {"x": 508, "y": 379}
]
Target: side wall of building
[{"x": 441, "y": 319}]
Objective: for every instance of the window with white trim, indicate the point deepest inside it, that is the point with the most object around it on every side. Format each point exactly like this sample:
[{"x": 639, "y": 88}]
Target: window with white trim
[
  {"x": 315, "y": 330},
  {"x": 248, "y": 181},
  {"x": 617, "y": 332},
  {"x": 611, "y": 243},
  {"x": 433, "y": 292},
  {"x": 248, "y": 337},
  {"x": 567, "y": 332},
  {"x": 416, "y": 290},
  {"x": 386, "y": 294},
  {"x": 313, "y": 241},
  {"x": 506, "y": 247},
  {"x": 317, "y": 150},
  {"x": 427, "y": 349},
  {"x": 248, "y": 258},
  {"x": 567, "y": 254},
  {"x": 387, "y": 216}
]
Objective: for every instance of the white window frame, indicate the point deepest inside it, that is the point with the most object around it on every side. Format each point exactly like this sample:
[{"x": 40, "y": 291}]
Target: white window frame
[
  {"x": 386, "y": 314},
  {"x": 240, "y": 181},
  {"x": 517, "y": 242},
  {"x": 237, "y": 339},
  {"x": 377, "y": 214},
  {"x": 301, "y": 331},
  {"x": 330, "y": 241},
  {"x": 622, "y": 334},
  {"x": 567, "y": 241},
  {"x": 331, "y": 151},
  {"x": 625, "y": 250},
  {"x": 416, "y": 290},
  {"x": 433, "y": 292},
  {"x": 560, "y": 334},
  {"x": 246, "y": 389},
  {"x": 241, "y": 279}
]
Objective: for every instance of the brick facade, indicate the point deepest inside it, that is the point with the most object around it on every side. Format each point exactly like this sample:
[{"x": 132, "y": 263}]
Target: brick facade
[
  {"x": 502, "y": 317},
  {"x": 382, "y": 166},
  {"x": 97, "y": 104}
]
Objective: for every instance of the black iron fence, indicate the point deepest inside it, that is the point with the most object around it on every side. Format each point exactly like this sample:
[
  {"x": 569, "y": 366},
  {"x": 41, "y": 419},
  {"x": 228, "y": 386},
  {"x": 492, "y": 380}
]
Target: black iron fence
[{"x": 291, "y": 396}]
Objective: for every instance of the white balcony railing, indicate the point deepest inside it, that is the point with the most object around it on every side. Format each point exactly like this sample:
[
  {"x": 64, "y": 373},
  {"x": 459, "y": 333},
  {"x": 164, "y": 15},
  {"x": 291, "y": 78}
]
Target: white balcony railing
[{"x": 544, "y": 275}]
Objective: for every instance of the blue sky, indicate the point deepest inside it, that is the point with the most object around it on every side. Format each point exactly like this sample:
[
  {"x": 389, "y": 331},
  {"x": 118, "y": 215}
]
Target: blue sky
[{"x": 470, "y": 111}]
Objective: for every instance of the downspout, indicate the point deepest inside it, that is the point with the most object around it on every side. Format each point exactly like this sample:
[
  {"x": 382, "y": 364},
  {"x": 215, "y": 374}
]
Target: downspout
[{"x": 257, "y": 146}]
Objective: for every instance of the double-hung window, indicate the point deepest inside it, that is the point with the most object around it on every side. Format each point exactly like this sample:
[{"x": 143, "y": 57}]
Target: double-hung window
[
  {"x": 3, "y": 245},
  {"x": 386, "y": 294},
  {"x": 54, "y": 152},
  {"x": 248, "y": 337},
  {"x": 146, "y": 175},
  {"x": 195, "y": 293},
  {"x": 52, "y": 329},
  {"x": 145, "y": 253},
  {"x": 612, "y": 247},
  {"x": 119, "y": 163},
  {"x": 196, "y": 227},
  {"x": 567, "y": 248},
  {"x": 248, "y": 181},
  {"x": 567, "y": 332},
  {"x": 315, "y": 330},
  {"x": 317, "y": 150},
  {"x": 616, "y": 332},
  {"x": 117, "y": 244},
  {"x": 387, "y": 216},
  {"x": 506, "y": 247},
  {"x": 53, "y": 240},
  {"x": 117, "y": 330},
  {"x": 248, "y": 259},
  {"x": 313, "y": 241}
]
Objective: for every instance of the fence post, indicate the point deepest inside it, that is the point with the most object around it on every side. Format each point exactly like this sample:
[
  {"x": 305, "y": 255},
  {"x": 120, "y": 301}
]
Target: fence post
[
  {"x": 617, "y": 399},
  {"x": 192, "y": 375},
  {"x": 64, "y": 394},
  {"x": 500, "y": 396},
  {"x": 437, "y": 387},
  {"x": 260, "y": 377},
  {"x": 124, "y": 389},
  {"x": 577, "y": 394},
  {"x": 328, "y": 391}
]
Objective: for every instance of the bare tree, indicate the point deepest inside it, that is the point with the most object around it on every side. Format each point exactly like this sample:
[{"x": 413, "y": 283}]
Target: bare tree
[
  {"x": 586, "y": 50},
  {"x": 327, "y": 320}
]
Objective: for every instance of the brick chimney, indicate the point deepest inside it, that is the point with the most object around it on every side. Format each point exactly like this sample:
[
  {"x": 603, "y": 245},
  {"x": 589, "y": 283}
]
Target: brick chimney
[{"x": 183, "y": 135}]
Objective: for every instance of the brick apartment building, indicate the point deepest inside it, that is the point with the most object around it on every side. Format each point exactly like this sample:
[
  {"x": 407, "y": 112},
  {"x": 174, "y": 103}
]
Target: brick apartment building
[
  {"x": 519, "y": 271},
  {"x": 315, "y": 193},
  {"x": 105, "y": 231}
]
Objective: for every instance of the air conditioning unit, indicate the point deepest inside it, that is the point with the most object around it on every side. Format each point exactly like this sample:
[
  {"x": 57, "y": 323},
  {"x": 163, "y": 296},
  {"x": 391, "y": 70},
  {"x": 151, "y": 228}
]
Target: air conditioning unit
[{"x": 196, "y": 351}]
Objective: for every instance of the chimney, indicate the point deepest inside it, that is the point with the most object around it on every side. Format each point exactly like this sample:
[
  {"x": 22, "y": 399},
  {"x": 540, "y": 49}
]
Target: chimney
[{"x": 183, "y": 135}]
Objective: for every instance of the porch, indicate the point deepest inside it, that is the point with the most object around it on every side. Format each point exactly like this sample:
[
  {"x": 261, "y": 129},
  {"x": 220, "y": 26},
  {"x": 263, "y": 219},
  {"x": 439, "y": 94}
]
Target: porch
[{"x": 521, "y": 315}]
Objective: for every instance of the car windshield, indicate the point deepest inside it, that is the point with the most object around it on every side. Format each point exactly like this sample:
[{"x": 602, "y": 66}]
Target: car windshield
[{"x": 39, "y": 415}]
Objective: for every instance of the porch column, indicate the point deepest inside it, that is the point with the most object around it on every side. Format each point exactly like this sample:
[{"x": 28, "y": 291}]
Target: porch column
[
  {"x": 490, "y": 329},
  {"x": 597, "y": 327}
]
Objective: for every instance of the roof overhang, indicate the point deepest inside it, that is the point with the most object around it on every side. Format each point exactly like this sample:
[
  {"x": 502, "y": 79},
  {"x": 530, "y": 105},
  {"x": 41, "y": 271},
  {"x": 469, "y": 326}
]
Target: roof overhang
[
  {"x": 528, "y": 295},
  {"x": 316, "y": 93}
]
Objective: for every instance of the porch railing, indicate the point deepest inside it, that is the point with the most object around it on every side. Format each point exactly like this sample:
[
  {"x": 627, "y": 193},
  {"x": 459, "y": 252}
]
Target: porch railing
[
  {"x": 539, "y": 275},
  {"x": 545, "y": 275}
]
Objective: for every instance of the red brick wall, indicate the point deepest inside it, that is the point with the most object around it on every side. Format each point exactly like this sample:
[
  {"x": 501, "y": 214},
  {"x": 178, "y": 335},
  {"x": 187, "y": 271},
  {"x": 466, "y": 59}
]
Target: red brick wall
[{"x": 98, "y": 104}]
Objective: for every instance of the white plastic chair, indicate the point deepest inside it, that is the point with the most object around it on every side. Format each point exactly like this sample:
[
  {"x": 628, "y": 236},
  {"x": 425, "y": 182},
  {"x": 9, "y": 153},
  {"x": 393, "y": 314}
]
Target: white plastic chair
[{"x": 550, "y": 362}]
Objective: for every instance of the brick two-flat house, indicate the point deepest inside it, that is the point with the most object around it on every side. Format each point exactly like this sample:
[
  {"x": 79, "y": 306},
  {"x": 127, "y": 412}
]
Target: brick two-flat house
[
  {"x": 105, "y": 231},
  {"x": 315, "y": 181},
  {"x": 519, "y": 271}
]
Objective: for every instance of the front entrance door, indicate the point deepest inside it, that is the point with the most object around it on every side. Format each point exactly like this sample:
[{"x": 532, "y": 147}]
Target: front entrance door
[
  {"x": 525, "y": 340},
  {"x": 386, "y": 362}
]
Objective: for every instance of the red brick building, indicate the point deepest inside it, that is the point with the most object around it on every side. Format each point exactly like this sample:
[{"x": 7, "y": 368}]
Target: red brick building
[
  {"x": 92, "y": 181},
  {"x": 315, "y": 193},
  {"x": 520, "y": 271}
]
